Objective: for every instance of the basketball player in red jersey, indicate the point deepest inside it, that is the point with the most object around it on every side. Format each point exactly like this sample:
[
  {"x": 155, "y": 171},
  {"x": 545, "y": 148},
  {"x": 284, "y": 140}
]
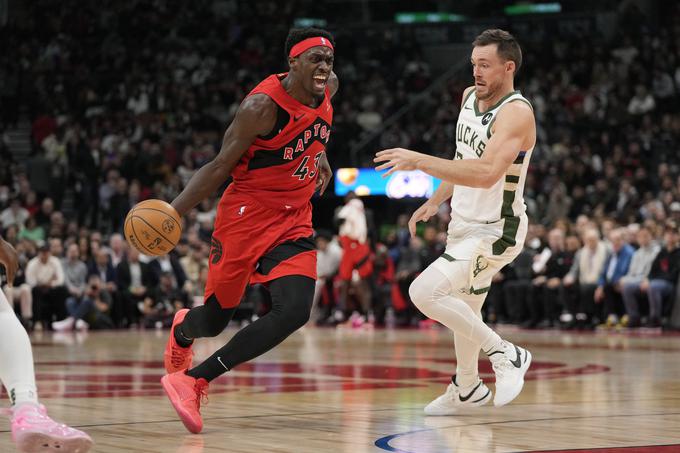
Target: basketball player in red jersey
[{"x": 275, "y": 152}]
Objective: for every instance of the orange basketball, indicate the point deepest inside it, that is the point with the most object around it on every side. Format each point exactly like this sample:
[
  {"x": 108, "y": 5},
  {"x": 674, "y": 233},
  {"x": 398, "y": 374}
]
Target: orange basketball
[{"x": 153, "y": 227}]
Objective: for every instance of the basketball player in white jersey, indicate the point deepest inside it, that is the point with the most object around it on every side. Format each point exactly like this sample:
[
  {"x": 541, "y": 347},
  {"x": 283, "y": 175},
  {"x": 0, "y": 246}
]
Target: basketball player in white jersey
[
  {"x": 32, "y": 429},
  {"x": 495, "y": 135}
]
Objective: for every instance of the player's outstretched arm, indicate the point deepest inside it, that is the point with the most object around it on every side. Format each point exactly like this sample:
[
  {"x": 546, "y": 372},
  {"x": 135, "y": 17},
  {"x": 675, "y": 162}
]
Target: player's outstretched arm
[
  {"x": 256, "y": 116},
  {"x": 443, "y": 192},
  {"x": 514, "y": 122}
]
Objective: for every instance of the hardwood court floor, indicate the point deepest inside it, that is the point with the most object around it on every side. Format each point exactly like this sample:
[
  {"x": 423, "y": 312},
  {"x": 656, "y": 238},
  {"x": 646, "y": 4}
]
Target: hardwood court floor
[{"x": 342, "y": 390}]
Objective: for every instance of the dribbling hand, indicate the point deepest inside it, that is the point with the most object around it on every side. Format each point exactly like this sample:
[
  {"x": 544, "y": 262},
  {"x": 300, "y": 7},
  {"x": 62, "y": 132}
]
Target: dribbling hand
[{"x": 423, "y": 214}]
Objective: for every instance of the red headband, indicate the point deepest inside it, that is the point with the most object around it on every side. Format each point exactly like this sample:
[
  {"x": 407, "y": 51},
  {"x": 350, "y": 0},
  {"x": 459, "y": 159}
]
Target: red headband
[{"x": 308, "y": 44}]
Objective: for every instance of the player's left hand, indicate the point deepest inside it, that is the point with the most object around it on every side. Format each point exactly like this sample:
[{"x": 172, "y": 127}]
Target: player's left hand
[
  {"x": 324, "y": 176},
  {"x": 397, "y": 159}
]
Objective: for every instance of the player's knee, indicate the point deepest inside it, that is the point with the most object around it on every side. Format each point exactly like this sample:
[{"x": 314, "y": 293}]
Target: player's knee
[
  {"x": 296, "y": 314},
  {"x": 300, "y": 319},
  {"x": 208, "y": 320},
  {"x": 417, "y": 291},
  {"x": 218, "y": 319},
  {"x": 422, "y": 293},
  {"x": 428, "y": 288},
  {"x": 214, "y": 327},
  {"x": 292, "y": 298}
]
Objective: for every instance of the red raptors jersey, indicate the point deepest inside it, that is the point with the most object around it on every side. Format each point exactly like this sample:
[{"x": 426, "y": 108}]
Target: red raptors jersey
[{"x": 281, "y": 168}]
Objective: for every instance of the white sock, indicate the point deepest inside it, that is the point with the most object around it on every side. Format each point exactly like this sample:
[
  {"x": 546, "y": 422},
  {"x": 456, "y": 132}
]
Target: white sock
[
  {"x": 16, "y": 357},
  {"x": 432, "y": 293}
]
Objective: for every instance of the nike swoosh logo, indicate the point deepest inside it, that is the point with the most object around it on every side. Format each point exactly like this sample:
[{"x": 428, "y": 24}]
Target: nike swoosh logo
[
  {"x": 296, "y": 118},
  {"x": 518, "y": 361},
  {"x": 219, "y": 359},
  {"x": 467, "y": 108},
  {"x": 465, "y": 398},
  {"x": 484, "y": 397}
]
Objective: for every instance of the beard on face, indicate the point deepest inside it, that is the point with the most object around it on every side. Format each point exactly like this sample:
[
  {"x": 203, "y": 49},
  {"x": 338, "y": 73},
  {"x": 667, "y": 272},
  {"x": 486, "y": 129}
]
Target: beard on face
[{"x": 491, "y": 89}]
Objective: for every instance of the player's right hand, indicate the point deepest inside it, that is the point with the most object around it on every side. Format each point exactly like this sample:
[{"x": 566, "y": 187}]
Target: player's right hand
[
  {"x": 423, "y": 214},
  {"x": 10, "y": 259}
]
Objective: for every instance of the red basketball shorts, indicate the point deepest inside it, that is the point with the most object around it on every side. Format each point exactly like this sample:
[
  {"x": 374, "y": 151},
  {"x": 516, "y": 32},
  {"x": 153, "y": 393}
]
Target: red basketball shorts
[
  {"x": 355, "y": 255},
  {"x": 252, "y": 243}
]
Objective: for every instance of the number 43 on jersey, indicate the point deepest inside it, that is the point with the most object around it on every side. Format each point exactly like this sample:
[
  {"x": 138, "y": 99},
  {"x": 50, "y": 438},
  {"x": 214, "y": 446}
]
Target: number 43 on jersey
[{"x": 303, "y": 171}]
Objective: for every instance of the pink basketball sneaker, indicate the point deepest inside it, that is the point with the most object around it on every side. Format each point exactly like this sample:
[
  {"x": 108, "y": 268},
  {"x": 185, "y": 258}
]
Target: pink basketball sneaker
[
  {"x": 34, "y": 431},
  {"x": 186, "y": 394}
]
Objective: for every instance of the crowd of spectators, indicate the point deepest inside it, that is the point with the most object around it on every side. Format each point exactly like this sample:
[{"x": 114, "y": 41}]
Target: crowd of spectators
[{"x": 125, "y": 103}]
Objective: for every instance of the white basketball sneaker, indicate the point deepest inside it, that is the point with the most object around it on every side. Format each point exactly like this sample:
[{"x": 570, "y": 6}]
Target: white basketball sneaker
[
  {"x": 456, "y": 398},
  {"x": 510, "y": 363}
]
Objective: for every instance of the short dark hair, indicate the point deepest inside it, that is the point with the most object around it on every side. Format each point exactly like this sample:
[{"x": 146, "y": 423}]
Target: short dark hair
[
  {"x": 507, "y": 46},
  {"x": 295, "y": 35}
]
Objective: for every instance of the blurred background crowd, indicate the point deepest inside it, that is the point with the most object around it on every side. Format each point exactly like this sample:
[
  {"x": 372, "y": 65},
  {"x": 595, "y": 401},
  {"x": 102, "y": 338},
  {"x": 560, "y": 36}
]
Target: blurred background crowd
[{"x": 105, "y": 107}]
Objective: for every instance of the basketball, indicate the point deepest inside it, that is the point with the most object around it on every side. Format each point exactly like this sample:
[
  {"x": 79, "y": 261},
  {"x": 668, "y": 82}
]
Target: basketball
[{"x": 153, "y": 227}]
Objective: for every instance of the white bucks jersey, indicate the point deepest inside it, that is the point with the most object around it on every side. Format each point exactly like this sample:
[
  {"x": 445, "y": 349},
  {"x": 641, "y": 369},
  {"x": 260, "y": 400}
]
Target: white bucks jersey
[{"x": 505, "y": 199}]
